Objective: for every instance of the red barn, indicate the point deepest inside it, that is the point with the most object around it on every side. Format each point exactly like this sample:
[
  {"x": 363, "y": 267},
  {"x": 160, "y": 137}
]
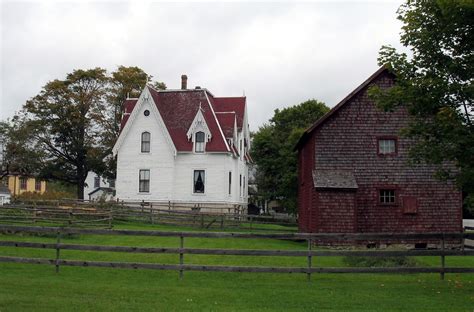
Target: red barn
[{"x": 354, "y": 175}]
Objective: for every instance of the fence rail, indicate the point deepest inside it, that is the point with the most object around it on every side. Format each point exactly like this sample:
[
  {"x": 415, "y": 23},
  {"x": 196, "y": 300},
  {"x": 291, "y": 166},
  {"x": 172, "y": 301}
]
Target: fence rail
[
  {"x": 96, "y": 214},
  {"x": 310, "y": 253}
]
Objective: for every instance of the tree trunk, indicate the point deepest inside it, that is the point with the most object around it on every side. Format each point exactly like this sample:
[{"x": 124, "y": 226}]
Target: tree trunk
[{"x": 80, "y": 188}]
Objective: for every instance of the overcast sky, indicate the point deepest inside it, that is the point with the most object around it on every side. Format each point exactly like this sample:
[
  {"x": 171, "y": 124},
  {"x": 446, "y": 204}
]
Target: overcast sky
[{"x": 279, "y": 54}]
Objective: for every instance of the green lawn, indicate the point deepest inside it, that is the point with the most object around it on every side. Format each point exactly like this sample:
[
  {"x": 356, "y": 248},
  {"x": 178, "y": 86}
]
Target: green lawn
[{"x": 25, "y": 287}]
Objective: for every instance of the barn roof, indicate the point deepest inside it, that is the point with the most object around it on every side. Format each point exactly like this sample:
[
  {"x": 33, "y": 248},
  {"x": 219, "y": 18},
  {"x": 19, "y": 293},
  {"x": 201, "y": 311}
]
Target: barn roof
[
  {"x": 336, "y": 108},
  {"x": 334, "y": 179}
]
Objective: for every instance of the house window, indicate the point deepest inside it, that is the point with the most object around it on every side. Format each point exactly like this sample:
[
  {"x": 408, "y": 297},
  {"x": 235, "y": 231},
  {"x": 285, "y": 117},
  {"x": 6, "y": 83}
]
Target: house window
[
  {"x": 199, "y": 180},
  {"x": 243, "y": 192},
  {"x": 97, "y": 181},
  {"x": 387, "y": 196},
  {"x": 230, "y": 182},
  {"x": 38, "y": 185},
  {"x": 199, "y": 143},
  {"x": 145, "y": 142},
  {"x": 112, "y": 183},
  {"x": 5, "y": 181},
  {"x": 387, "y": 146},
  {"x": 240, "y": 185},
  {"x": 22, "y": 183},
  {"x": 144, "y": 181}
]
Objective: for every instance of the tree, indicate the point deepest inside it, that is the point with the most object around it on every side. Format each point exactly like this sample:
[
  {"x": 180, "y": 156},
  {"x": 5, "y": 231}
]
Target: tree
[
  {"x": 273, "y": 143},
  {"x": 64, "y": 118},
  {"x": 19, "y": 151},
  {"x": 435, "y": 84}
]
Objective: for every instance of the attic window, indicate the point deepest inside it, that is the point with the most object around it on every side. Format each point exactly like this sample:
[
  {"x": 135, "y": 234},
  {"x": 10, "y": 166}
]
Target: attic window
[
  {"x": 387, "y": 146},
  {"x": 199, "y": 142},
  {"x": 146, "y": 113}
]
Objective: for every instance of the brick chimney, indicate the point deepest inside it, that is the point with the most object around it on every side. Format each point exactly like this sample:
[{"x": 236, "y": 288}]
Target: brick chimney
[{"x": 184, "y": 82}]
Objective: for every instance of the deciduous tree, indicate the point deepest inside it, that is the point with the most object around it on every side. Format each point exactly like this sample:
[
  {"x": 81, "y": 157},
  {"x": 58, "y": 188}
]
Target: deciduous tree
[
  {"x": 273, "y": 153},
  {"x": 435, "y": 84}
]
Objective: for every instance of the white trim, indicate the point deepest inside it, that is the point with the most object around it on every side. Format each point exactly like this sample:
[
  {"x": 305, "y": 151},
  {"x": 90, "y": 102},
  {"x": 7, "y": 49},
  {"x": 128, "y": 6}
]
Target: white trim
[
  {"x": 145, "y": 96},
  {"x": 217, "y": 122}
]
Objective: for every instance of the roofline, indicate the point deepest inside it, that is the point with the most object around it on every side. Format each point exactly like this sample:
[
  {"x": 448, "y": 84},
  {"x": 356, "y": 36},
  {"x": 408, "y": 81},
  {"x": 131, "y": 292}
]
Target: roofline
[
  {"x": 344, "y": 101},
  {"x": 217, "y": 121}
]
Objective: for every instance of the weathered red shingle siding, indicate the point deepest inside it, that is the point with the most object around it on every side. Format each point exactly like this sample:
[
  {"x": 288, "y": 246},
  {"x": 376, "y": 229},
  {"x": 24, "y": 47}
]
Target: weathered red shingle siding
[{"x": 347, "y": 140}]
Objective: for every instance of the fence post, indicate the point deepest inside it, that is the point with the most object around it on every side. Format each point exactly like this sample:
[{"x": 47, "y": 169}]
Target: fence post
[
  {"x": 442, "y": 258},
  {"x": 222, "y": 221},
  {"x": 309, "y": 260},
  {"x": 111, "y": 216},
  {"x": 58, "y": 241},
  {"x": 251, "y": 221},
  {"x": 151, "y": 214},
  {"x": 34, "y": 212},
  {"x": 202, "y": 221},
  {"x": 181, "y": 256}
]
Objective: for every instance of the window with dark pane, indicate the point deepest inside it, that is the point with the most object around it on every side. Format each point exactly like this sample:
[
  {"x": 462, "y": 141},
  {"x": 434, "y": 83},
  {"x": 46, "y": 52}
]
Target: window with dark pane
[
  {"x": 144, "y": 181},
  {"x": 23, "y": 183},
  {"x": 145, "y": 142},
  {"x": 37, "y": 185},
  {"x": 199, "y": 181},
  {"x": 97, "y": 181},
  {"x": 387, "y": 196},
  {"x": 199, "y": 142},
  {"x": 230, "y": 182}
]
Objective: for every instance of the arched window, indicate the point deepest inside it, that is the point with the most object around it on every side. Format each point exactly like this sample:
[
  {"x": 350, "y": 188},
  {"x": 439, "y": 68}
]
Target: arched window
[
  {"x": 199, "y": 142},
  {"x": 145, "y": 142}
]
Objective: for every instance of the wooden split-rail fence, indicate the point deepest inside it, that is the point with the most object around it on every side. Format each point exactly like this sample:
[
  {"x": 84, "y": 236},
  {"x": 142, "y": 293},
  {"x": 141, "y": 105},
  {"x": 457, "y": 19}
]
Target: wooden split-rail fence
[
  {"x": 103, "y": 215},
  {"x": 311, "y": 253}
]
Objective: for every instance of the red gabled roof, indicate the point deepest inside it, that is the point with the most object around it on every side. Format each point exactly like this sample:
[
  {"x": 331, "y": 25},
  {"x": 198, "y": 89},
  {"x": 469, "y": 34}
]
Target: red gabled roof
[
  {"x": 231, "y": 104},
  {"x": 128, "y": 105},
  {"x": 336, "y": 108},
  {"x": 178, "y": 109},
  {"x": 227, "y": 121}
]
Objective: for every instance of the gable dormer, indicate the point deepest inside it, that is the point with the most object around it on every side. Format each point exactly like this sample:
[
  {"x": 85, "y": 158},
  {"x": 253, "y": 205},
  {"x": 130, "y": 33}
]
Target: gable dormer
[{"x": 199, "y": 133}]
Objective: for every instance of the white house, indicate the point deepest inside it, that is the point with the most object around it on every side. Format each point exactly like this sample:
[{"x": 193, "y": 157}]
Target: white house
[
  {"x": 98, "y": 188},
  {"x": 183, "y": 146}
]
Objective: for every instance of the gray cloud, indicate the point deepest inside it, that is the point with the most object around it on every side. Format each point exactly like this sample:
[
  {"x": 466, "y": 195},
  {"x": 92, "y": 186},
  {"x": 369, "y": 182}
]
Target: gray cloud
[{"x": 279, "y": 54}]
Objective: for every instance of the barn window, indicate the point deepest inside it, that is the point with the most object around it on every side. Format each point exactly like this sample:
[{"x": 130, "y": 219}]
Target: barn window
[
  {"x": 199, "y": 180},
  {"x": 199, "y": 142},
  {"x": 97, "y": 181},
  {"x": 23, "y": 183},
  {"x": 387, "y": 196},
  {"x": 387, "y": 146},
  {"x": 145, "y": 142},
  {"x": 37, "y": 185},
  {"x": 144, "y": 181}
]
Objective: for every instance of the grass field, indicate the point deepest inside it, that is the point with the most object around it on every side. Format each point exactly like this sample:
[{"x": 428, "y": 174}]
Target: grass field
[{"x": 26, "y": 287}]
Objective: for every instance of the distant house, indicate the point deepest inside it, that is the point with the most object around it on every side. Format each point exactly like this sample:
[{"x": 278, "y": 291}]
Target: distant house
[
  {"x": 4, "y": 195},
  {"x": 98, "y": 188},
  {"x": 354, "y": 174},
  {"x": 184, "y": 146},
  {"x": 19, "y": 184}
]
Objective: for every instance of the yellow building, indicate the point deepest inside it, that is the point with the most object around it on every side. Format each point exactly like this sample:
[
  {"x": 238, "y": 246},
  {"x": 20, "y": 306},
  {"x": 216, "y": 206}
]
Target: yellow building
[{"x": 18, "y": 184}]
